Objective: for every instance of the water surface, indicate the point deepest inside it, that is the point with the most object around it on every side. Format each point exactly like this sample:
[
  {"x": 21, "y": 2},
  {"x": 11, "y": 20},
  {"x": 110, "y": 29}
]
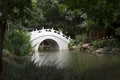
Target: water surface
[{"x": 74, "y": 59}]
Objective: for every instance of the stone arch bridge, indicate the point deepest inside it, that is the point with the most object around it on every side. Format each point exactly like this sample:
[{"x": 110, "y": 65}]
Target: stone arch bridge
[{"x": 55, "y": 39}]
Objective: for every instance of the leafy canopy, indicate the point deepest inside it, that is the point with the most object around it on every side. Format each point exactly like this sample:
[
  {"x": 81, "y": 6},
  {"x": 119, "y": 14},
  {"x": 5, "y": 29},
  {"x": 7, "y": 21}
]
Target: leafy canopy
[
  {"x": 101, "y": 12},
  {"x": 14, "y": 9}
]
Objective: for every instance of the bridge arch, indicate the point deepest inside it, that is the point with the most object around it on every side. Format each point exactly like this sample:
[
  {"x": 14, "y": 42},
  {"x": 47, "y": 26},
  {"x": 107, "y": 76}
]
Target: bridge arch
[
  {"x": 56, "y": 40},
  {"x": 50, "y": 40},
  {"x": 48, "y": 44}
]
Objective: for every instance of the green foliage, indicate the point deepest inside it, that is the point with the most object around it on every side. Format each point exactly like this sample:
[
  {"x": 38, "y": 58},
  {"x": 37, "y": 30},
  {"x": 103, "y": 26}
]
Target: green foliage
[
  {"x": 117, "y": 31},
  {"x": 78, "y": 41},
  {"x": 106, "y": 43},
  {"x": 29, "y": 71},
  {"x": 81, "y": 38},
  {"x": 17, "y": 42},
  {"x": 13, "y": 10},
  {"x": 96, "y": 44},
  {"x": 10, "y": 70},
  {"x": 53, "y": 13},
  {"x": 72, "y": 43},
  {"x": 100, "y": 13}
]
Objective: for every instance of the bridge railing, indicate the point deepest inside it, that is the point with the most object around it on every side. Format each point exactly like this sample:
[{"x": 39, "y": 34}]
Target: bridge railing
[{"x": 51, "y": 30}]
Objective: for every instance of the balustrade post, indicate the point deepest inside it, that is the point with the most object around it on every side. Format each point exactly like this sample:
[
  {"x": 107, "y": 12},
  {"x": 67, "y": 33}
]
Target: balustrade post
[
  {"x": 52, "y": 30},
  {"x": 33, "y": 30},
  {"x": 69, "y": 38},
  {"x": 43, "y": 30},
  {"x": 61, "y": 33}
]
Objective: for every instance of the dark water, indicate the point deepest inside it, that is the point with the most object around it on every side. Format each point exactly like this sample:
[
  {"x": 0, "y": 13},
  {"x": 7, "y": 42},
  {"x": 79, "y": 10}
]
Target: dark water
[{"x": 75, "y": 59}]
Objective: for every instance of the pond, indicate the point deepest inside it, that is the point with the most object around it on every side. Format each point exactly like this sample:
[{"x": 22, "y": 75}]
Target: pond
[{"x": 74, "y": 59}]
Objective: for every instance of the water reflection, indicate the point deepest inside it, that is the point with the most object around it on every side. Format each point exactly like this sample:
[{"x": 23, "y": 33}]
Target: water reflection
[
  {"x": 74, "y": 59},
  {"x": 51, "y": 57}
]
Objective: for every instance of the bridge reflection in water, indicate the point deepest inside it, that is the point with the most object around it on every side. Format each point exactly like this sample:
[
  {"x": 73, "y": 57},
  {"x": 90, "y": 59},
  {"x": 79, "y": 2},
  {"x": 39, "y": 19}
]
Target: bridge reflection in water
[
  {"x": 74, "y": 59},
  {"x": 59, "y": 58}
]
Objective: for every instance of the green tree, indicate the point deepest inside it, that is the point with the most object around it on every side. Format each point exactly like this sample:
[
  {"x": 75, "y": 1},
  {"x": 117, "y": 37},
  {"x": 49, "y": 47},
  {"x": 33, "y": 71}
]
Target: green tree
[
  {"x": 56, "y": 14},
  {"x": 100, "y": 13},
  {"x": 10, "y": 9}
]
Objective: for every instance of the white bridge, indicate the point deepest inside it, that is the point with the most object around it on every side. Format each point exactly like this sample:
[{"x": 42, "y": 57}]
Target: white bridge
[{"x": 55, "y": 39}]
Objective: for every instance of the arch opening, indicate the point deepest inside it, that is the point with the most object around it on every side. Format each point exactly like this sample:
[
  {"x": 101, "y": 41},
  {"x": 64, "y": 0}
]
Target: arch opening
[{"x": 48, "y": 45}]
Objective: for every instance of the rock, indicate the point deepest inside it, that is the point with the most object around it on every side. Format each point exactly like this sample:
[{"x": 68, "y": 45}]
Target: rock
[
  {"x": 6, "y": 53},
  {"x": 107, "y": 48},
  {"x": 85, "y": 46},
  {"x": 115, "y": 51},
  {"x": 101, "y": 51},
  {"x": 10, "y": 56},
  {"x": 74, "y": 47},
  {"x": 91, "y": 49}
]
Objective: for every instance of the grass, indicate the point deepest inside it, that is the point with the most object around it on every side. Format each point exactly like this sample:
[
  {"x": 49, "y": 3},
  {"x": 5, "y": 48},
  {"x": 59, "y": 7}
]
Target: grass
[
  {"x": 29, "y": 71},
  {"x": 13, "y": 70}
]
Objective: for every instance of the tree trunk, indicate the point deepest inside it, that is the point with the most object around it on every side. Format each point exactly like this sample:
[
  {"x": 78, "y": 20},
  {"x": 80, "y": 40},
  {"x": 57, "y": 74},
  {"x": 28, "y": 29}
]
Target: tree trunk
[{"x": 2, "y": 32}]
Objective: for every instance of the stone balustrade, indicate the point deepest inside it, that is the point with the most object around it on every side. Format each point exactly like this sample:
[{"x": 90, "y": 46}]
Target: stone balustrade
[{"x": 43, "y": 30}]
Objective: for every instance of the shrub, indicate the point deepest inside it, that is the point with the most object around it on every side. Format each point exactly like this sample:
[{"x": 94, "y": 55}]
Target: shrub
[
  {"x": 78, "y": 41},
  {"x": 117, "y": 31},
  {"x": 81, "y": 38},
  {"x": 106, "y": 42},
  {"x": 17, "y": 41},
  {"x": 29, "y": 71},
  {"x": 72, "y": 43}
]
